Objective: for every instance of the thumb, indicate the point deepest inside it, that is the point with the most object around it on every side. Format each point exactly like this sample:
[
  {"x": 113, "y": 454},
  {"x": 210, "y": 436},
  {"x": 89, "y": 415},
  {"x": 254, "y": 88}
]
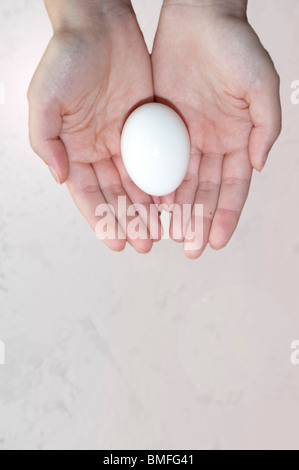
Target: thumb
[
  {"x": 265, "y": 112},
  {"x": 45, "y": 123}
]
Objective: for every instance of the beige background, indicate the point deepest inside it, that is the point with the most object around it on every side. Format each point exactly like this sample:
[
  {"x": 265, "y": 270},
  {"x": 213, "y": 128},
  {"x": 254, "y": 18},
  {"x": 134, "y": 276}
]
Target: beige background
[{"x": 123, "y": 351}]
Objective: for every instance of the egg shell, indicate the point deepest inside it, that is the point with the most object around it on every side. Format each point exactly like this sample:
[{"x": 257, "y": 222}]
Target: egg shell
[{"x": 155, "y": 147}]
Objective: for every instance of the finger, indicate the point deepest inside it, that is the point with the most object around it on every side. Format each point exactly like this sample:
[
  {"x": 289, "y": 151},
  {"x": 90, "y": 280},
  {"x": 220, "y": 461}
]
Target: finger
[
  {"x": 45, "y": 124},
  {"x": 210, "y": 173},
  {"x": 168, "y": 200},
  {"x": 84, "y": 188},
  {"x": 149, "y": 215},
  {"x": 236, "y": 178},
  {"x": 265, "y": 112},
  {"x": 111, "y": 186},
  {"x": 185, "y": 195}
]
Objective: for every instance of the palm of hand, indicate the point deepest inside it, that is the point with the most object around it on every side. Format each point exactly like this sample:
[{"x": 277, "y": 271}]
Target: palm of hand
[
  {"x": 106, "y": 84},
  {"x": 91, "y": 84},
  {"x": 213, "y": 78}
]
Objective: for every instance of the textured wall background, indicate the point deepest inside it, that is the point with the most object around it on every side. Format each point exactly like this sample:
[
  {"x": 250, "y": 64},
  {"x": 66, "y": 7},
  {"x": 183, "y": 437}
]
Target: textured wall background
[{"x": 106, "y": 350}]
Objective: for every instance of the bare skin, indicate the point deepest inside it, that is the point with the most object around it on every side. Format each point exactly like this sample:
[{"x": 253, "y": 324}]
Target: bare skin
[
  {"x": 210, "y": 66},
  {"x": 88, "y": 81}
]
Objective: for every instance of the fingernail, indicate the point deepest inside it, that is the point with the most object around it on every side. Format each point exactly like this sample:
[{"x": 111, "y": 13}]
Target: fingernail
[
  {"x": 54, "y": 174},
  {"x": 264, "y": 162}
]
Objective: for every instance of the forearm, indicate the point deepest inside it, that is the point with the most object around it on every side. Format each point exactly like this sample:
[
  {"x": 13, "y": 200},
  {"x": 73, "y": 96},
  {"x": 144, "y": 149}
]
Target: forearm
[{"x": 77, "y": 14}]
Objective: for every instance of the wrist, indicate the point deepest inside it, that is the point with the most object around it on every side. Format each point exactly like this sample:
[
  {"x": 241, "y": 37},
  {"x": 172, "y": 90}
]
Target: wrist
[
  {"x": 86, "y": 15},
  {"x": 226, "y": 7}
]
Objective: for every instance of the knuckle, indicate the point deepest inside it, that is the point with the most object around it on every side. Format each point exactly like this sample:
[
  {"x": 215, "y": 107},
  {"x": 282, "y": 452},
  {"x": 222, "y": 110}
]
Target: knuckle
[{"x": 209, "y": 186}]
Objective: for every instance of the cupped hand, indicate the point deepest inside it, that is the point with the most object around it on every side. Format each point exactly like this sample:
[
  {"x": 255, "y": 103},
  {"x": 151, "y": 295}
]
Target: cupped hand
[
  {"x": 85, "y": 86},
  {"x": 210, "y": 66}
]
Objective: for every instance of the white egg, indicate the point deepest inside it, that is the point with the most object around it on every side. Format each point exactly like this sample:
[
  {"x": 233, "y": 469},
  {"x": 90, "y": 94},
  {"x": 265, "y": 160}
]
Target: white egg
[{"x": 155, "y": 147}]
